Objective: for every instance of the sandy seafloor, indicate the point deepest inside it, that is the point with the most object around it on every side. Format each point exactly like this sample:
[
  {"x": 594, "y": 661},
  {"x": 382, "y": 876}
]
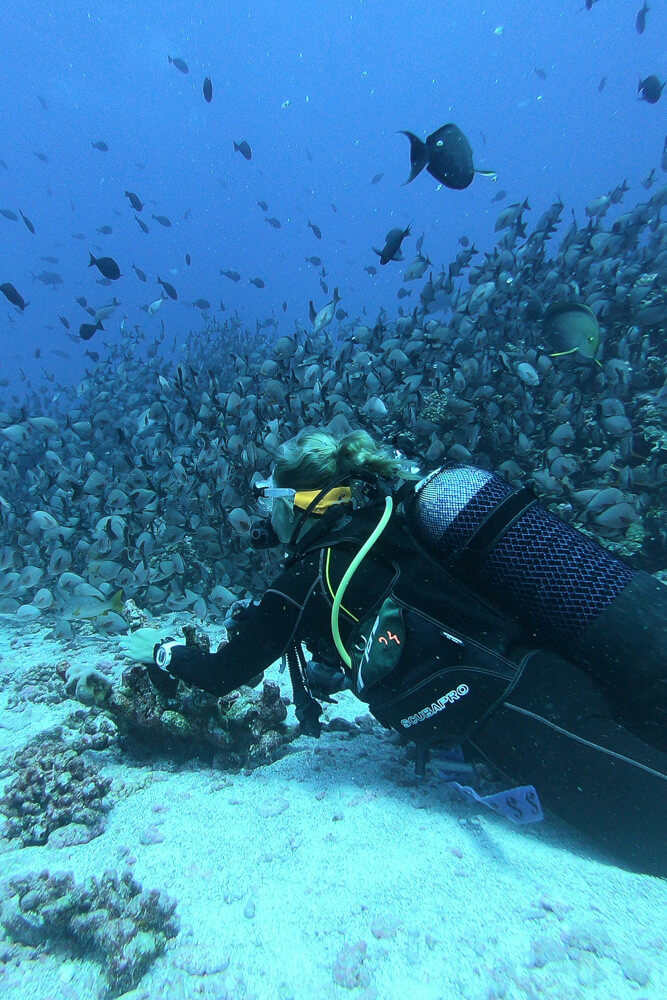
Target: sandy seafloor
[{"x": 334, "y": 873}]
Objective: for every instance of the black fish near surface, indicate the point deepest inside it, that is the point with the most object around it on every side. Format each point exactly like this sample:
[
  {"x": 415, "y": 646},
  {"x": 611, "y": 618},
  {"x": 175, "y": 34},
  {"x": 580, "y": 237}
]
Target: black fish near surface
[
  {"x": 208, "y": 90},
  {"x": 650, "y": 89},
  {"x": 135, "y": 201},
  {"x": 88, "y": 330},
  {"x": 392, "y": 245},
  {"x": 11, "y": 294},
  {"x": 640, "y": 20},
  {"x": 244, "y": 149},
  {"x": 180, "y": 64},
  {"x": 28, "y": 224},
  {"x": 447, "y": 156},
  {"x": 107, "y": 267},
  {"x": 169, "y": 289}
]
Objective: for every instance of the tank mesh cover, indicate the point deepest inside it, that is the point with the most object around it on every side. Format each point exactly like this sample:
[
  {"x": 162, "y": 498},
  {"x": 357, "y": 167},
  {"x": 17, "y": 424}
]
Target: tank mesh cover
[{"x": 553, "y": 577}]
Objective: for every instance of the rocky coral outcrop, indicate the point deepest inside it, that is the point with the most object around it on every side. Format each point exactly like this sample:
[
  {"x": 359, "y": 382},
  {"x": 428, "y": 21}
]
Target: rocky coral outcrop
[{"x": 111, "y": 919}]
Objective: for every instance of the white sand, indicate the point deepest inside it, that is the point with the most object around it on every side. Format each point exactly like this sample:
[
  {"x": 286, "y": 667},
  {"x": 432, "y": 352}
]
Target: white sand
[{"x": 334, "y": 873}]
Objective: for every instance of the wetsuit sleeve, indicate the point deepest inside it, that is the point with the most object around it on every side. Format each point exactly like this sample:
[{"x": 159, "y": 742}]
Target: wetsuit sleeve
[{"x": 265, "y": 633}]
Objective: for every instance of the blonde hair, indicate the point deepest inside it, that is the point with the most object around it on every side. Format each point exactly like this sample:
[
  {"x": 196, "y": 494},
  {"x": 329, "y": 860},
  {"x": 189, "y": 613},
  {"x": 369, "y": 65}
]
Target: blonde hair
[{"x": 315, "y": 458}]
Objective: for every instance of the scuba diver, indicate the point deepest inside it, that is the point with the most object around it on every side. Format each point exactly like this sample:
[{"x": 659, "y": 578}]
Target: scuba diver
[{"x": 465, "y": 615}]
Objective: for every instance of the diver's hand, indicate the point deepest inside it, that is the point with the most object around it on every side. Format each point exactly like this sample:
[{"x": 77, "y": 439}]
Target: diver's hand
[{"x": 145, "y": 644}]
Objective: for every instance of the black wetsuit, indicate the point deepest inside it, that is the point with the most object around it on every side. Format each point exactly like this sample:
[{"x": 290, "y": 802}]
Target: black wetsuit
[{"x": 593, "y": 746}]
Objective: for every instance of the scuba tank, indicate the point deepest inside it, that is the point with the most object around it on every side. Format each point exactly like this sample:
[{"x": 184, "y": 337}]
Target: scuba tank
[{"x": 560, "y": 584}]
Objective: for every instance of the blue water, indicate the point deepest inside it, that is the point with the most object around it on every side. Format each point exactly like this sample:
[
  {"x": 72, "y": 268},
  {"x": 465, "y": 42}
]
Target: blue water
[{"x": 319, "y": 91}]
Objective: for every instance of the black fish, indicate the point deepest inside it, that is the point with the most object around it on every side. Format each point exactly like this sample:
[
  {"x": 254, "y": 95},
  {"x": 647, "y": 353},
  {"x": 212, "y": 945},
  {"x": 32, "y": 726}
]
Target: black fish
[
  {"x": 188, "y": 259},
  {"x": 40, "y": 156},
  {"x": 3, "y": 164},
  {"x": 341, "y": 314},
  {"x": 540, "y": 73},
  {"x": 371, "y": 270},
  {"x": 43, "y": 103},
  {"x": 447, "y": 156},
  {"x": 244, "y": 149},
  {"x": 180, "y": 64},
  {"x": 169, "y": 289},
  {"x": 232, "y": 275},
  {"x": 640, "y": 20},
  {"x": 264, "y": 207},
  {"x": 8, "y": 214},
  {"x": 82, "y": 300},
  {"x": 93, "y": 355},
  {"x": 50, "y": 260},
  {"x": 377, "y": 178},
  {"x": 208, "y": 90},
  {"x": 273, "y": 222},
  {"x": 258, "y": 283},
  {"x": 27, "y": 221},
  {"x": 139, "y": 273},
  {"x": 65, "y": 322},
  {"x": 136, "y": 202},
  {"x": 102, "y": 146},
  {"x": 142, "y": 225},
  {"x": 284, "y": 307},
  {"x": 107, "y": 267},
  {"x": 202, "y": 304},
  {"x": 663, "y": 161},
  {"x": 602, "y": 84},
  {"x": 312, "y": 311},
  {"x": 316, "y": 229},
  {"x": 392, "y": 245},
  {"x": 105, "y": 230},
  {"x": 13, "y": 296},
  {"x": 162, "y": 219},
  {"x": 650, "y": 89},
  {"x": 315, "y": 261},
  {"x": 88, "y": 330}
]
